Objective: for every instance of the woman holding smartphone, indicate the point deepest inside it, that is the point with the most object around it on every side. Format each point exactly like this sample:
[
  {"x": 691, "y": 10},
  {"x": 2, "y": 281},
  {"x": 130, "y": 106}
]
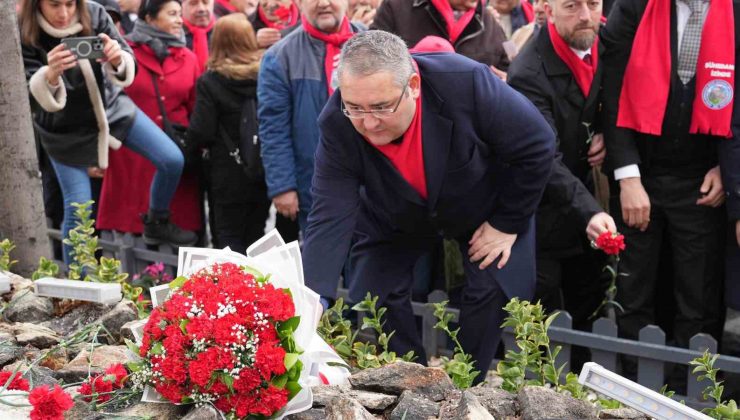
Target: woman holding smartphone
[{"x": 80, "y": 109}]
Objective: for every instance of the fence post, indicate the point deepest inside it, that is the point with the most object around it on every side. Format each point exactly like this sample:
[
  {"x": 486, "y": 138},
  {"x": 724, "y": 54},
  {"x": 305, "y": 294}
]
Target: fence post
[
  {"x": 651, "y": 373},
  {"x": 563, "y": 320},
  {"x": 430, "y": 338},
  {"x": 126, "y": 252},
  {"x": 607, "y": 359},
  {"x": 699, "y": 342}
]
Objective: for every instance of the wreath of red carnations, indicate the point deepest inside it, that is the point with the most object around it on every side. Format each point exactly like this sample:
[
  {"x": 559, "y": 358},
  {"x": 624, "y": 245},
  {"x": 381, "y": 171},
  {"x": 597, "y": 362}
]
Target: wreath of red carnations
[{"x": 224, "y": 336}]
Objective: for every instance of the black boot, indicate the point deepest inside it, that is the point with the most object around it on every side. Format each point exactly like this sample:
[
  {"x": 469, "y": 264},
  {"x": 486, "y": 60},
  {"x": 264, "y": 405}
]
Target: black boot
[{"x": 158, "y": 230}]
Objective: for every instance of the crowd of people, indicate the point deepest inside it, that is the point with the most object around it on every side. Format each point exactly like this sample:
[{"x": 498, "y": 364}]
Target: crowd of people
[{"x": 376, "y": 128}]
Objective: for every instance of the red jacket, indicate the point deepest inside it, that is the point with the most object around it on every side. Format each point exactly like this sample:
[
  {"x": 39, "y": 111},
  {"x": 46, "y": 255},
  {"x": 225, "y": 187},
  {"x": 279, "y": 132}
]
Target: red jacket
[{"x": 125, "y": 193}]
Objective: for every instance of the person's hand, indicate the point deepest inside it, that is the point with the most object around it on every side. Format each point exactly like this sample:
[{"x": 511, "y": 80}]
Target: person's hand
[
  {"x": 364, "y": 15},
  {"x": 499, "y": 73},
  {"x": 287, "y": 204},
  {"x": 635, "y": 203},
  {"x": 713, "y": 194},
  {"x": 737, "y": 232},
  {"x": 600, "y": 223},
  {"x": 95, "y": 172},
  {"x": 59, "y": 59},
  {"x": 268, "y": 36},
  {"x": 597, "y": 150},
  {"x": 488, "y": 243},
  {"x": 112, "y": 51}
]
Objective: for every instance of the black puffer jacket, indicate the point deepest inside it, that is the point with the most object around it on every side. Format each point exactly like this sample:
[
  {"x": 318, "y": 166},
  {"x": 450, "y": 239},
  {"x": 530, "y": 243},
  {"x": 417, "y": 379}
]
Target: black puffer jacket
[
  {"x": 70, "y": 134},
  {"x": 221, "y": 101}
]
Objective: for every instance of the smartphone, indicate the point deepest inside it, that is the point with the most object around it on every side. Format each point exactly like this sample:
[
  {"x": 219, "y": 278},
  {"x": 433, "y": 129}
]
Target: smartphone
[{"x": 89, "y": 47}]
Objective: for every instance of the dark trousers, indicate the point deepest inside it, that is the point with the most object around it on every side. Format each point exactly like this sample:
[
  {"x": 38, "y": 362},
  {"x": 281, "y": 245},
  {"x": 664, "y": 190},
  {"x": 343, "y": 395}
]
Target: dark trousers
[
  {"x": 695, "y": 235},
  {"x": 575, "y": 284},
  {"x": 238, "y": 225},
  {"x": 384, "y": 267}
]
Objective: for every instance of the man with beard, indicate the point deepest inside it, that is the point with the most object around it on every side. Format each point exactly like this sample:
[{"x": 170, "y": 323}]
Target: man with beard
[
  {"x": 273, "y": 20},
  {"x": 662, "y": 58},
  {"x": 467, "y": 24},
  {"x": 513, "y": 14},
  {"x": 296, "y": 78},
  {"x": 198, "y": 20},
  {"x": 558, "y": 72},
  {"x": 418, "y": 149}
]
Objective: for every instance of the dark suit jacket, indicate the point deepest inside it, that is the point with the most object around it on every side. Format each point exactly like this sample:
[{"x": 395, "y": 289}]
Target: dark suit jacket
[
  {"x": 567, "y": 206},
  {"x": 675, "y": 151},
  {"x": 482, "y": 40},
  {"x": 626, "y": 146},
  {"x": 487, "y": 157}
]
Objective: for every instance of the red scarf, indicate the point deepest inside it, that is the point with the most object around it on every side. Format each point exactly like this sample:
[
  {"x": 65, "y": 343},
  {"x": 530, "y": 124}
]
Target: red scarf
[
  {"x": 582, "y": 72},
  {"x": 333, "y": 43},
  {"x": 528, "y": 10},
  {"x": 407, "y": 156},
  {"x": 228, "y": 6},
  {"x": 647, "y": 79},
  {"x": 454, "y": 28},
  {"x": 289, "y": 19},
  {"x": 200, "y": 41}
]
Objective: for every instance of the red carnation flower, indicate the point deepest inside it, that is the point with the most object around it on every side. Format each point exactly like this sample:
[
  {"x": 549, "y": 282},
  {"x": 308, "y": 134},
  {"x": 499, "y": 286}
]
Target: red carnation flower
[
  {"x": 610, "y": 243},
  {"x": 249, "y": 379},
  {"x": 49, "y": 403},
  {"x": 18, "y": 383},
  {"x": 270, "y": 360},
  {"x": 97, "y": 385},
  {"x": 119, "y": 371},
  {"x": 170, "y": 391}
]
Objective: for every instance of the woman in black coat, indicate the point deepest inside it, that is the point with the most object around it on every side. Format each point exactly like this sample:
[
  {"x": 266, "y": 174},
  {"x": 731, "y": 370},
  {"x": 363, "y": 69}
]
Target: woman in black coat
[{"x": 225, "y": 119}]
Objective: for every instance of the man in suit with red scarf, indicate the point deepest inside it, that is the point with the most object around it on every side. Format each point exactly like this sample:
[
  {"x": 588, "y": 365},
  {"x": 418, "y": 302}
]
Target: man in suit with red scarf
[
  {"x": 198, "y": 20},
  {"x": 412, "y": 151},
  {"x": 669, "y": 80},
  {"x": 558, "y": 71}
]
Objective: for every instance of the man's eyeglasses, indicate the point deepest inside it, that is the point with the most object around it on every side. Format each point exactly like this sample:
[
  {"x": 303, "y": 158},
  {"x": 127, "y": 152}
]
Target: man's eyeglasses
[{"x": 355, "y": 113}]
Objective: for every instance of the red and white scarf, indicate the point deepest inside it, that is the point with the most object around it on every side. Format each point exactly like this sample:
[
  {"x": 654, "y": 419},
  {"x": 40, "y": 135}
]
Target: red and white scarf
[
  {"x": 455, "y": 28},
  {"x": 200, "y": 41},
  {"x": 647, "y": 79},
  {"x": 407, "y": 156},
  {"x": 333, "y": 42},
  {"x": 287, "y": 17},
  {"x": 582, "y": 71}
]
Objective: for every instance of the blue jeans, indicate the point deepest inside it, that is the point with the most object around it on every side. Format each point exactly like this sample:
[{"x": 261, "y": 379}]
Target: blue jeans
[{"x": 144, "y": 138}]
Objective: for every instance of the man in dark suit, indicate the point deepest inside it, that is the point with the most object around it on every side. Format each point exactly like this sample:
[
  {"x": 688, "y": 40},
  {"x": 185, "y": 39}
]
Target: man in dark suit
[
  {"x": 668, "y": 97},
  {"x": 413, "y": 151},
  {"x": 557, "y": 71}
]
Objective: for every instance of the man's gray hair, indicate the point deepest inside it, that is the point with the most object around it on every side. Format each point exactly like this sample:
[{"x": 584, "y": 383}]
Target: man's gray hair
[{"x": 372, "y": 52}]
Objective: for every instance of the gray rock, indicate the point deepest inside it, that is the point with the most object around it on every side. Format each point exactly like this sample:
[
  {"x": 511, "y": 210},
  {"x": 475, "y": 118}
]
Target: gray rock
[
  {"x": 373, "y": 401},
  {"x": 102, "y": 357},
  {"x": 7, "y": 337},
  {"x": 123, "y": 312},
  {"x": 204, "y": 412},
  {"x": 344, "y": 408},
  {"x": 154, "y": 411},
  {"x": 78, "y": 318},
  {"x": 540, "y": 403},
  {"x": 126, "y": 330},
  {"x": 36, "y": 376},
  {"x": 9, "y": 354},
  {"x": 622, "y": 413},
  {"x": 35, "y": 335},
  {"x": 470, "y": 408},
  {"x": 432, "y": 383},
  {"x": 18, "y": 283},
  {"x": 27, "y": 307},
  {"x": 312, "y": 414},
  {"x": 501, "y": 404},
  {"x": 414, "y": 407}
]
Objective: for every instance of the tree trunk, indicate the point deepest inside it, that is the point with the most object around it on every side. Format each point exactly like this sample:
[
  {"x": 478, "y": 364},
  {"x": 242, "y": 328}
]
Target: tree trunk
[{"x": 22, "y": 217}]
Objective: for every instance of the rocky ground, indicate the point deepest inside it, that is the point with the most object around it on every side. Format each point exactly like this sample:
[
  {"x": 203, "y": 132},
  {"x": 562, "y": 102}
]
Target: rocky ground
[{"x": 401, "y": 391}]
